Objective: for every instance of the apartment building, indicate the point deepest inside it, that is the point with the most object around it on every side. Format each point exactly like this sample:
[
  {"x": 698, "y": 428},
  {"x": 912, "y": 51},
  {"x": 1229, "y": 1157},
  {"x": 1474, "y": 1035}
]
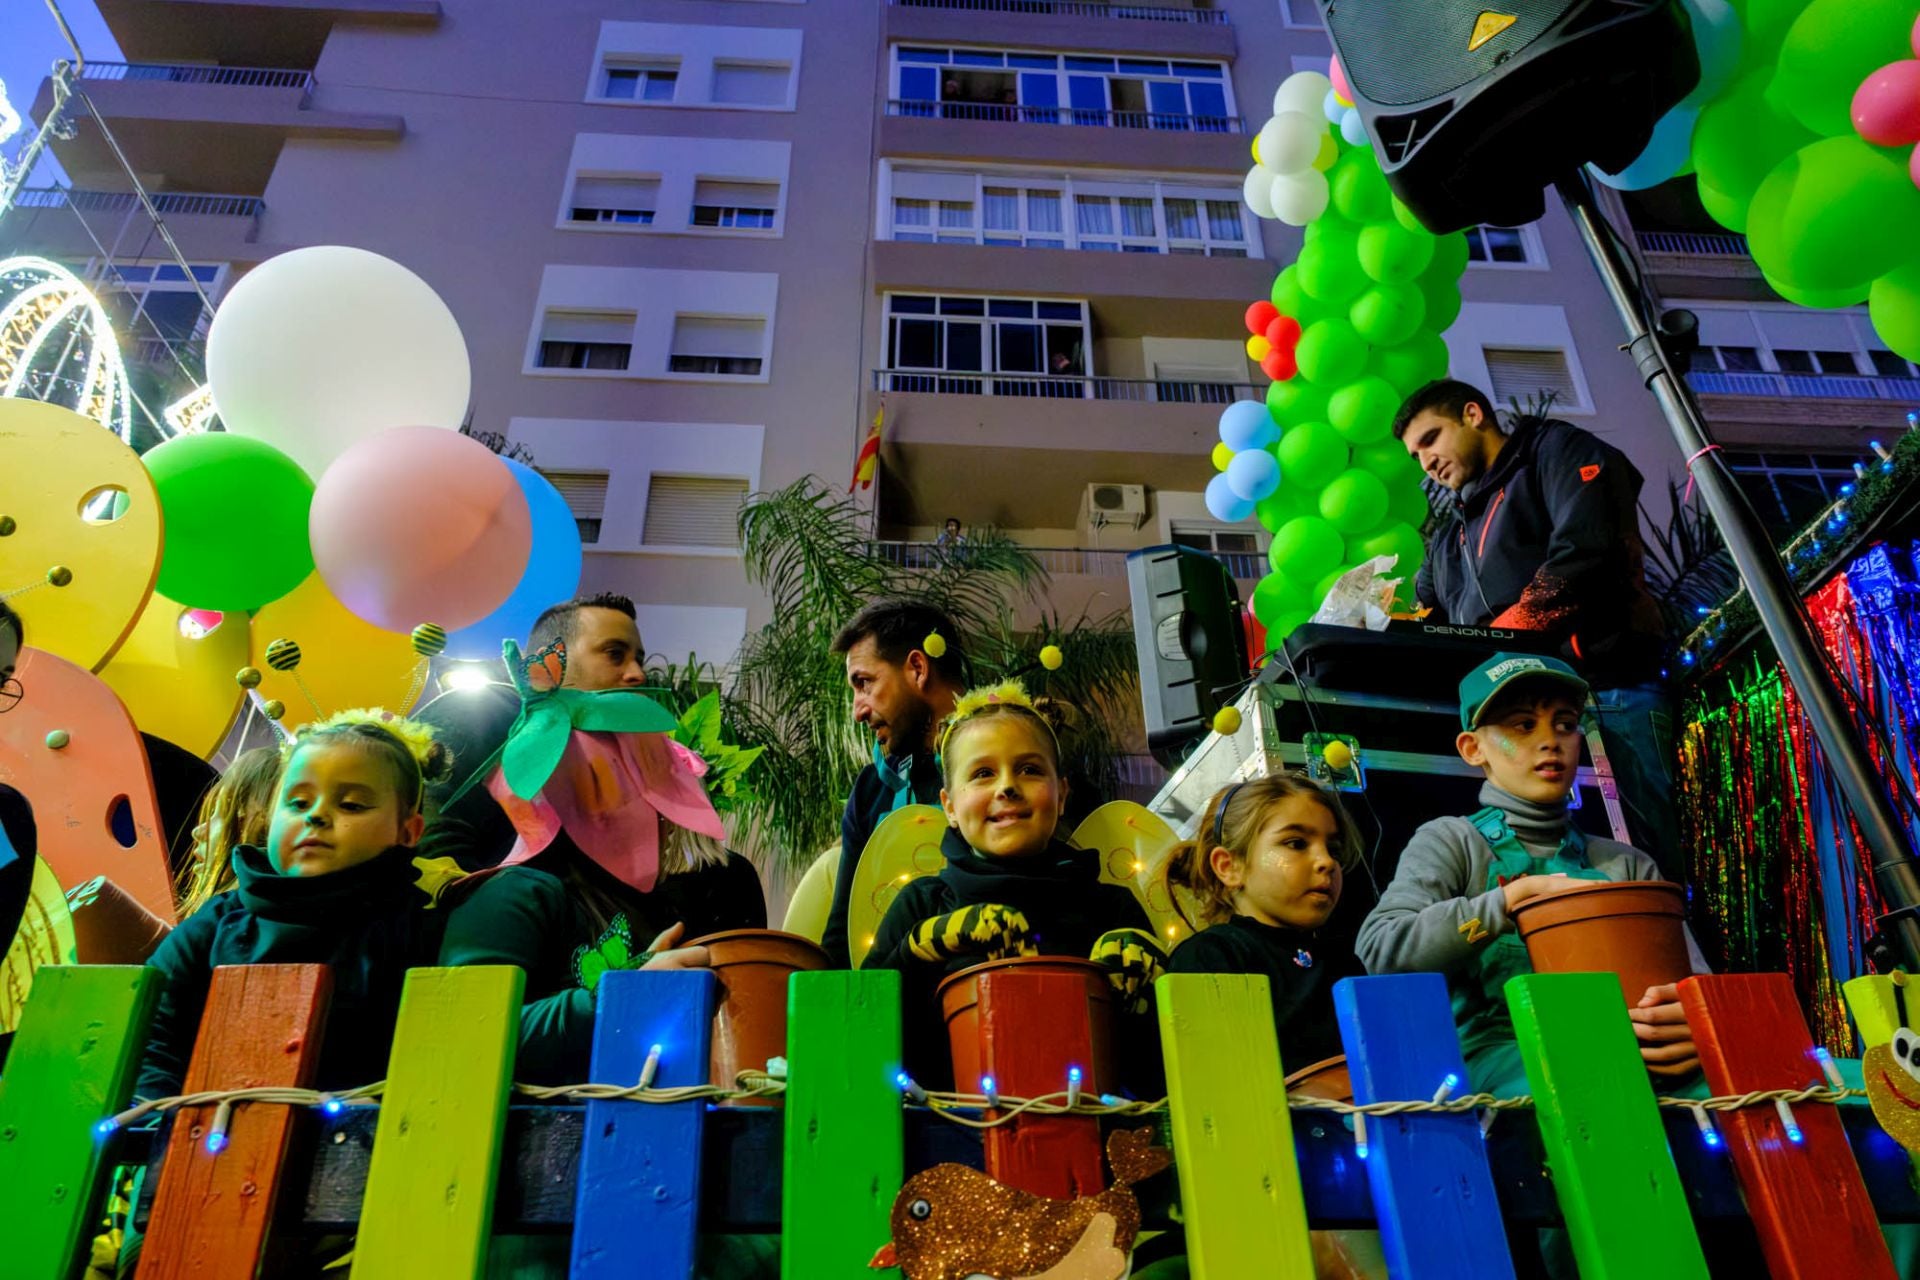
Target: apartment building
[{"x": 696, "y": 246}]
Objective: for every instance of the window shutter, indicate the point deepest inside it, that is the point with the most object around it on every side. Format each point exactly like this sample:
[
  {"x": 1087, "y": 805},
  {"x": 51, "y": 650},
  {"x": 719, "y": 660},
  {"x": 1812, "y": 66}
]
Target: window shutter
[
  {"x": 585, "y": 491},
  {"x": 616, "y": 193},
  {"x": 710, "y": 336},
  {"x": 1522, "y": 375},
  {"x": 917, "y": 184},
  {"x": 750, "y": 84},
  {"x": 693, "y": 511},
  {"x": 587, "y": 326},
  {"x": 737, "y": 195}
]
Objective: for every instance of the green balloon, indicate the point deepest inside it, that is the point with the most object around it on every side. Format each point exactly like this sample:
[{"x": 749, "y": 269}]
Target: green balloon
[
  {"x": 1310, "y": 455},
  {"x": 1330, "y": 228},
  {"x": 1407, "y": 502},
  {"x": 1833, "y": 216},
  {"x": 1285, "y": 625},
  {"x": 1331, "y": 353},
  {"x": 1292, "y": 300},
  {"x": 1329, "y": 275},
  {"x": 1819, "y": 299},
  {"x": 1894, "y": 306},
  {"x": 1288, "y": 502},
  {"x": 1449, "y": 258},
  {"x": 1403, "y": 215},
  {"x": 1412, "y": 364},
  {"x": 1394, "y": 538},
  {"x": 1295, "y": 401},
  {"x": 1354, "y": 500},
  {"x": 1764, "y": 25},
  {"x": 235, "y": 514},
  {"x": 1442, "y": 298},
  {"x": 1277, "y": 594},
  {"x": 1362, "y": 411},
  {"x": 1737, "y": 141},
  {"x": 1325, "y": 584},
  {"x": 1390, "y": 253},
  {"x": 1725, "y": 210},
  {"x": 1305, "y": 548},
  {"x": 1387, "y": 459},
  {"x": 1388, "y": 314},
  {"x": 1830, "y": 48},
  {"x": 1360, "y": 193}
]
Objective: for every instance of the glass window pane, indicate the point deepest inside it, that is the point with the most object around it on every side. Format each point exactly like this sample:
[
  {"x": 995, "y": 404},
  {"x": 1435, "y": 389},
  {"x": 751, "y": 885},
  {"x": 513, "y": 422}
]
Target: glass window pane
[
  {"x": 1065, "y": 351},
  {"x": 1183, "y": 219},
  {"x": 909, "y": 304},
  {"x": 1136, "y": 216},
  {"x": 912, "y": 213},
  {"x": 1006, "y": 308},
  {"x": 1093, "y": 215},
  {"x": 1060, "y": 311},
  {"x": 1039, "y": 90},
  {"x": 1740, "y": 359},
  {"x": 1793, "y": 361},
  {"x": 1889, "y": 365},
  {"x": 1088, "y": 96},
  {"x": 963, "y": 307},
  {"x": 1043, "y": 211},
  {"x": 1208, "y": 100},
  {"x": 963, "y": 346},
  {"x": 1223, "y": 220},
  {"x": 919, "y": 84},
  {"x": 1100, "y": 246},
  {"x": 1505, "y": 244},
  {"x": 1019, "y": 348},
  {"x": 916, "y": 344},
  {"x": 621, "y": 83},
  {"x": 1837, "y": 362},
  {"x": 1167, "y": 98},
  {"x": 1204, "y": 70},
  {"x": 1047, "y": 60},
  {"x": 1476, "y": 244},
  {"x": 956, "y": 213},
  {"x": 923, "y": 55},
  {"x": 660, "y": 86},
  {"x": 1143, "y": 66},
  {"x": 1002, "y": 209},
  {"x": 975, "y": 58},
  {"x": 1089, "y": 64}
]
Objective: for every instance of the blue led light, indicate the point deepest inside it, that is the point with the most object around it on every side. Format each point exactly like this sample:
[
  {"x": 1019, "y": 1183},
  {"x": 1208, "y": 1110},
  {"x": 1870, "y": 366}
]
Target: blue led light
[
  {"x": 333, "y": 1106},
  {"x": 105, "y": 1128},
  {"x": 1713, "y": 1137},
  {"x": 901, "y": 1080},
  {"x": 1073, "y": 1074},
  {"x": 216, "y": 1143}
]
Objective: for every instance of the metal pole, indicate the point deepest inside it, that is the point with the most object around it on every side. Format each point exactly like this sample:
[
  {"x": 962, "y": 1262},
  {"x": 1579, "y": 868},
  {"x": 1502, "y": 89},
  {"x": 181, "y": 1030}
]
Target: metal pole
[{"x": 1781, "y": 613}]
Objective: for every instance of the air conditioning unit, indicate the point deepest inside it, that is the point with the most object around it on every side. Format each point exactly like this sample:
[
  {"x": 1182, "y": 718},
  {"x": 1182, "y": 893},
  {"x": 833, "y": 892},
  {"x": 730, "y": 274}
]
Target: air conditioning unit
[{"x": 1107, "y": 504}]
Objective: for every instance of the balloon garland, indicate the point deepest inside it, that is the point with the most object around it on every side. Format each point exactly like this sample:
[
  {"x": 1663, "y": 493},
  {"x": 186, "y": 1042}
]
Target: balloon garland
[{"x": 1352, "y": 326}]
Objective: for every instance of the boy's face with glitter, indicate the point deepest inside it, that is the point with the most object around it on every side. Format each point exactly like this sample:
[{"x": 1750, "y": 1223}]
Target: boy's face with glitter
[{"x": 1527, "y": 743}]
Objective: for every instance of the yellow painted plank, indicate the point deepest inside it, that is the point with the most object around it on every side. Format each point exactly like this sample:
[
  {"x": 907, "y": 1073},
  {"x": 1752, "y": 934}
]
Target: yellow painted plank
[{"x": 1871, "y": 1000}]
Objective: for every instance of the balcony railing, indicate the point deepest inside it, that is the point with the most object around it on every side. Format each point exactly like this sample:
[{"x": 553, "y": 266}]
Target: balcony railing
[
  {"x": 1690, "y": 242},
  {"x": 245, "y": 77},
  {"x": 1062, "y": 387},
  {"x": 1079, "y": 9},
  {"x": 1816, "y": 386},
  {"x": 164, "y": 202},
  {"x": 1014, "y": 113},
  {"x": 167, "y": 353},
  {"x": 1087, "y": 561}
]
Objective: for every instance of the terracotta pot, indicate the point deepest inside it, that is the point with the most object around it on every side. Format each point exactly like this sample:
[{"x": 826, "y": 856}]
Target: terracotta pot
[
  {"x": 1633, "y": 928},
  {"x": 1087, "y": 1042},
  {"x": 750, "y": 1021},
  {"x": 1327, "y": 1078}
]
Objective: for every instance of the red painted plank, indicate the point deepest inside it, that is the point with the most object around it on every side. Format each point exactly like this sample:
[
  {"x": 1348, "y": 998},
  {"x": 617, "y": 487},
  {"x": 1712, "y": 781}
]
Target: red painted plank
[
  {"x": 211, "y": 1213},
  {"x": 1807, "y": 1200},
  {"x": 1033, "y": 1027}
]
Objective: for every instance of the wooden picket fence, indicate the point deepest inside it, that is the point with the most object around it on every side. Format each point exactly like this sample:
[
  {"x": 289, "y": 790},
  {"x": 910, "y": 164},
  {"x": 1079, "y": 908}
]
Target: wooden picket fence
[{"x": 428, "y": 1176}]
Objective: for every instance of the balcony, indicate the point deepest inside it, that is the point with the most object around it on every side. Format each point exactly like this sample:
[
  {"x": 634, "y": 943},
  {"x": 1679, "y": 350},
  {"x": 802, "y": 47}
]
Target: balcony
[
  {"x": 286, "y": 33},
  {"x": 1162, "y": 30},
  {"x": 201, "y": 128},
  {"x": 56, "y": 221},
  {"x": 1802, "y": 410},
  {"x": 1082, "y": 561},
  {"x": 993, "y": 131},
  {"x": 1701, "y": 265}
]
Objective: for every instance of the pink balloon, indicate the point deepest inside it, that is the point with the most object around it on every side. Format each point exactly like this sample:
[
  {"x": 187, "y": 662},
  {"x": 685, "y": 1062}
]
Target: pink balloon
[
  {"x": 1886, "y": 106},
  {"x": 1341, "y": 89},
  {"x": 419, "y": 524},
  {"x": 1915, "y": 39}
]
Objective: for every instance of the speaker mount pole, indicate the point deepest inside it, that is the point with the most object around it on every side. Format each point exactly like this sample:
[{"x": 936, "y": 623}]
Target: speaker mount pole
[{"x": 1895, "y": 872}]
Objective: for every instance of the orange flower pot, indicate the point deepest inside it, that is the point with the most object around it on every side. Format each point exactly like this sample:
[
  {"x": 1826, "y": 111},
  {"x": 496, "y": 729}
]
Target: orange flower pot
[
  {"x": 1327, "y": 1078},
  {"x": 1633, "y": 928},
  {"x": 750, "y": 1021},
  {"x": 974, "y": 1022}
]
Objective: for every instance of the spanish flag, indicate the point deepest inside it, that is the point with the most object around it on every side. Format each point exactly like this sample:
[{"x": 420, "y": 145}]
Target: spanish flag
[{"x": 868, "y": 460}]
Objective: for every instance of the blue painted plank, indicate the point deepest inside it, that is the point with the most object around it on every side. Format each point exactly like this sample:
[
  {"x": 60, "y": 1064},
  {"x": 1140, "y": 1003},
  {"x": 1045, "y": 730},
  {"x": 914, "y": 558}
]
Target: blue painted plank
[
  {"x": 638, "y": 1205},
  {"x": 1432, "y": 1185}
]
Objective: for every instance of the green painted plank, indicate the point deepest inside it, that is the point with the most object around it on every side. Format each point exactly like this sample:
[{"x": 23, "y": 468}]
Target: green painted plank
[
  {"x": 1232, "y": 1136},
  {"x": 1606, "y": 1147},
  {"x": 428, "y": 1206},
  {"x": 843, "y": 1160},
  {"x": 71, "y": 1066}
]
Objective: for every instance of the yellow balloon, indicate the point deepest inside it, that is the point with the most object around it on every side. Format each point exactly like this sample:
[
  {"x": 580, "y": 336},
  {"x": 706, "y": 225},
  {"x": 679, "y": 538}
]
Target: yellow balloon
[
  {"x": 1256, "y": 148},
  {"x": 59, "y": 465},
  {"x": 177, "y": 683},
  {"x": 344, "y": 661},
  {"x": 1257, "y": 347},
  {"x": 1329, "y": 152},
  {"x": 1221, "y": 456},
  {"x": 45, "y": 937}
]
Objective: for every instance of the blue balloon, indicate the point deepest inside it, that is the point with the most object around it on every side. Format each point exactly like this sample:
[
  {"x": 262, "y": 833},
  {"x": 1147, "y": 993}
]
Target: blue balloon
[
  {"x": 1246, "y": 424},
  {"x": 1253, "y": 475},
  {"x": 1666, "y": 153},
  {"x": 1332, "y": 108},
  {"x": 1353, "y": 128},
  {"x": 1718, "y": 40},
  {"x": 552, "y": 574},
  {"x": 1224, "y": 504}
]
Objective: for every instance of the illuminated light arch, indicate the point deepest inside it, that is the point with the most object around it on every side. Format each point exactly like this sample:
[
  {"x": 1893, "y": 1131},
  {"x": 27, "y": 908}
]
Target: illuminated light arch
[{"x": 57, "y": 344}]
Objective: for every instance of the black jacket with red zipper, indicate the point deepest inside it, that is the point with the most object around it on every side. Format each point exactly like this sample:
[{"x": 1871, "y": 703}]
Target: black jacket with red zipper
[{"x": 1549, "y": 540}]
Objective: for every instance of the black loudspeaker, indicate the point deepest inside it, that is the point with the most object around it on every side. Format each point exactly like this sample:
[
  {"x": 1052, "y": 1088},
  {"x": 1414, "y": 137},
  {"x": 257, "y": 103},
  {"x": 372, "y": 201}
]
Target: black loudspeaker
[
  {"x": 1476, "y": 106},
  {"x": 1193, "y": 651}
]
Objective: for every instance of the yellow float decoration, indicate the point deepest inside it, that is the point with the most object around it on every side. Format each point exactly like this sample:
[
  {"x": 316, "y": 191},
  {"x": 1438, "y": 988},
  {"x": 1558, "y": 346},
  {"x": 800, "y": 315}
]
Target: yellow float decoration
[
  {"x": 343, "y": 661},
  {"x": 45, "y": 936},
  {"x": 176, "y": 679}
]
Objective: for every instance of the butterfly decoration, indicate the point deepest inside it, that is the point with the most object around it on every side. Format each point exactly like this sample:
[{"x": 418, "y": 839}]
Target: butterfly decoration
[
  {"x": 550, "y": 661},
  {"x": 613, "y": 950}
]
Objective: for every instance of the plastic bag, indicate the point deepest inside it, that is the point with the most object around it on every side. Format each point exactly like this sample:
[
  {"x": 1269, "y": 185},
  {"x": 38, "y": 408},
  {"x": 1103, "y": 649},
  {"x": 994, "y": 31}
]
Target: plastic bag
[{"x": 1362, "y": 596}]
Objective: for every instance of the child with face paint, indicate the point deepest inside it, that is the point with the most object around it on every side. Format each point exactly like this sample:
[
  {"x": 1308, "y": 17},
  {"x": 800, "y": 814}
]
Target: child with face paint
[{"x": 1448, "y": 908}]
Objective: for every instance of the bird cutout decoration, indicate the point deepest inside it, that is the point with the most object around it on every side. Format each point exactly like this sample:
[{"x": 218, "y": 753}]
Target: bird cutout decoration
[{"x": 953, "y": 1222}]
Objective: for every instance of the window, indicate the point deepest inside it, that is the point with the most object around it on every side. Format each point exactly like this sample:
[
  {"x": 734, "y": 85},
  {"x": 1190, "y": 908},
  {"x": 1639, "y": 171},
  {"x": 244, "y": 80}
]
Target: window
[
  {"x": 1043, "y": 343},
  {"x": 1206, "y": 537},
  {"x": 586, "y": 496},
  {"x": 156, "y": 306},
  {"x": 1041, "y": 88},
  {"x": 618, "y": 200},
  {"x": 1302, "y": 13},
  {"x": 1789, "y": 489},
  {"x": 1499, "y": 246},
  {"x": 725, "y": 347},
  {"x": 1831, "y": 362},
  {"x": 1889, "y": 365},
  {"x": 1105, "y": 217},
  {"x": 640, "y": 82},
  {"x": 1727, "y": 359},
  {"x": 751, "y": 84},
  {"x": 1522, "y": 375},
  {"x": 1027, "y": 216},
  {"x": 693, "y": 511},
  {"x": 741, "y": 206},
  {"x": 586, "y": 340}
]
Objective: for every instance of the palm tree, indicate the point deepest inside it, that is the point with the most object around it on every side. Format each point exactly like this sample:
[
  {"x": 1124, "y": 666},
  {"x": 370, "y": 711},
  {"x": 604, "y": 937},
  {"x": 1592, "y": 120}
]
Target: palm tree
[{"x": 805, "y": 545}]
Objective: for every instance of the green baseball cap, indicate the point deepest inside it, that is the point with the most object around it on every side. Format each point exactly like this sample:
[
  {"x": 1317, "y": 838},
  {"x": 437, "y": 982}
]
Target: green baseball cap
[{"x": 1501, "y": 670}]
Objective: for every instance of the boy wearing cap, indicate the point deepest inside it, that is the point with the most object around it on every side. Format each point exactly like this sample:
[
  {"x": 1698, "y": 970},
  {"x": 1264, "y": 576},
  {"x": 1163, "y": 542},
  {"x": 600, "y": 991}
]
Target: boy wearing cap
[{"x": 1449, "y": 906}]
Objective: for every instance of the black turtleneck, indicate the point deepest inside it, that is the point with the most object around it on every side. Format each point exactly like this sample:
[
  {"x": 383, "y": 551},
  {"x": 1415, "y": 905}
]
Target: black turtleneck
[
  {"x": 368, "y": 923},
  {"x": 1302, "y": 993}
]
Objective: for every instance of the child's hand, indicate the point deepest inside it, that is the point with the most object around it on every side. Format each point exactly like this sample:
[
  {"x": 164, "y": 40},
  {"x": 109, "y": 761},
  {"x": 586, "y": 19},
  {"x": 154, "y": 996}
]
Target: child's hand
[
  {"x": 667, "y": 956},
  {"x": 988, "y": 930},
  {"x": 1132, "y": 959},
  {"x": 1666, "y": 1042},
  {"x": 1519, "y": 891}
]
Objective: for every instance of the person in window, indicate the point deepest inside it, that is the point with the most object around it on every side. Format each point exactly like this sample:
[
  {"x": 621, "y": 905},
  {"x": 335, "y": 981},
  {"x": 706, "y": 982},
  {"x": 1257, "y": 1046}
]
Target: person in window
[
  {"x": 951, "y": 535},
  {"x": 1543, "y": 534}
]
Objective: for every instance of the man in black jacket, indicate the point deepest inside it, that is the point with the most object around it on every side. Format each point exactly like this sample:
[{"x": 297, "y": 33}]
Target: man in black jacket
[
  {"x": 1543, "y": 534},
  {"x": 901, "y": 693}
]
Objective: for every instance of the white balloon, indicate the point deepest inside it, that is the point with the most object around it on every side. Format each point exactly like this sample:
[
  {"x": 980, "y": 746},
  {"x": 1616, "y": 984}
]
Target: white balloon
[
  {"x": 1302, "y": 91},
  {"x": 1353, "y": 128},
  {"x": 317, "y": 349},
  {"x": 1290, "y": 141},
  {"x": 1254, "y": 190},
  {"x": 1299, "y": 198}
]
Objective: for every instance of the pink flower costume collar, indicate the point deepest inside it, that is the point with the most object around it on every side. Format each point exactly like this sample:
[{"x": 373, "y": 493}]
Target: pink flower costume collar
[{"x": 602, "y": 767}]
